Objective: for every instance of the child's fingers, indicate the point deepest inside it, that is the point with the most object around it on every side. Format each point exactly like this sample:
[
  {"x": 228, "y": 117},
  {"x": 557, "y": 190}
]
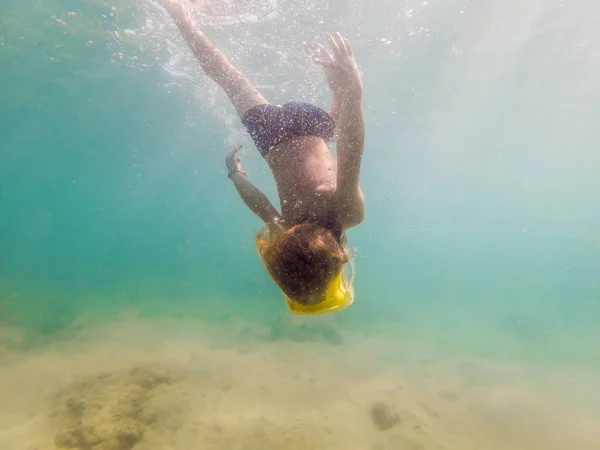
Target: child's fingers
[
  {"x": 348, "y": 47},
  {"x": 334, "y": 46},
  {"x": 341, "y": 43},
  {"x": 339, "y": 40},
  {"x": 323, "y": 62},
  {"x": 317, "y": 51},
  {"x": 313, "y": 49}
]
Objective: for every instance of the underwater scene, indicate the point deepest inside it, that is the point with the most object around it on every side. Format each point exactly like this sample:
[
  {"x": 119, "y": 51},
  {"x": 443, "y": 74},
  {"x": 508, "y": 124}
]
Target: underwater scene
[{"x": 135, "y": 310}]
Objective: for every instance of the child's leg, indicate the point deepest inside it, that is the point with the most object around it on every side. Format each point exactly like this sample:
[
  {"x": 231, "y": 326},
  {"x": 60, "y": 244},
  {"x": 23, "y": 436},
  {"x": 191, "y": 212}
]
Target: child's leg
[{"x": 241, "y": 92}]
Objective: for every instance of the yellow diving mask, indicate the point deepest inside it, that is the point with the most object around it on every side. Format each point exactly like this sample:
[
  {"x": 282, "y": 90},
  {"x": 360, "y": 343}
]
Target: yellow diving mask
[{"x": 338, "y": 297}]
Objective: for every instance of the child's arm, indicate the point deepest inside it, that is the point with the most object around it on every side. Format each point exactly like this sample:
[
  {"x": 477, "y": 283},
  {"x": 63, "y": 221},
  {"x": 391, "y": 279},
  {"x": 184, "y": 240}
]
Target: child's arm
[
  {"x": 350, "y": 148},
  {"x": 345, "y": 80},
  {"x": 253, "y": 197},
  {"x": 335, "y": 108}
]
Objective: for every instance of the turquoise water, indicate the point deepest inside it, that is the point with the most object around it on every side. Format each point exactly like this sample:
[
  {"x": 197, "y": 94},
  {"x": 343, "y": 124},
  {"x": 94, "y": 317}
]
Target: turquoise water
[
  {"x": 482, "y": 235},
  {"x": 480, "y": 170}
]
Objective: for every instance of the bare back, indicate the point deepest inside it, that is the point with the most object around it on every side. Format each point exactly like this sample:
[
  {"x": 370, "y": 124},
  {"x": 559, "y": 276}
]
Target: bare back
[{"x": 305, "y": 172}]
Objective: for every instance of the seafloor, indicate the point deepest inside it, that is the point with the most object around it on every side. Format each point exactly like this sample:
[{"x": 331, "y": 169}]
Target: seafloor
[{"x": 164, "y": 384}]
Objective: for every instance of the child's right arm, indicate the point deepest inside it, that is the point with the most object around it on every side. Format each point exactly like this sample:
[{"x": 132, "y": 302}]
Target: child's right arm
[
  {"x": 345, "y": 81},
  {"x": 350, "y": 148}
]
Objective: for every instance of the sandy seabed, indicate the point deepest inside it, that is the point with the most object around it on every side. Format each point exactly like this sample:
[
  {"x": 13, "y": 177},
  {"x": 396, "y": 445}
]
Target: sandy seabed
[{"x": 152, "y": 384}]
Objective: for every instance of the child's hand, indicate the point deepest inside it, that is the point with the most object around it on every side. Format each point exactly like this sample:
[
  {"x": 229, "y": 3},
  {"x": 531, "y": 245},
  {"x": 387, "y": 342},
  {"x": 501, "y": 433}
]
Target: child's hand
[
  {"x": 340, "y": 67},
  {"x": 233, "y": 162}
]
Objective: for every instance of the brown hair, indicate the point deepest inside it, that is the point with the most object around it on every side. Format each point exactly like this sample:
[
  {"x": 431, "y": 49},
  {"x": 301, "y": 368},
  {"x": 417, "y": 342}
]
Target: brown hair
[{"x": 302, "y": 260}]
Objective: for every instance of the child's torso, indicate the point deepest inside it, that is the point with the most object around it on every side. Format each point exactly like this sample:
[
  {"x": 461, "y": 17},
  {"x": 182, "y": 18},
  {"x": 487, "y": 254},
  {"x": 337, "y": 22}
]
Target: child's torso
[{"x": 305, "y": 172}]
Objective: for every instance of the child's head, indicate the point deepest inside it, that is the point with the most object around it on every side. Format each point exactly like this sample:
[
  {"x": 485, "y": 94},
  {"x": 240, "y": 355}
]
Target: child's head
[{"x": 303, "y": 261}]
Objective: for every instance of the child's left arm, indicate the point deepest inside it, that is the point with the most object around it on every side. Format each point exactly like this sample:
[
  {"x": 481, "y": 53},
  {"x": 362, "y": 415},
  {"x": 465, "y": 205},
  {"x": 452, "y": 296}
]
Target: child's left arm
[{"x": 253, "y": 197}]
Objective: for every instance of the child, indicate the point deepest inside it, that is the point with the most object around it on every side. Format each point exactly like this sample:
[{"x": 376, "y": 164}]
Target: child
[{"x": 303, "y": 247}]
